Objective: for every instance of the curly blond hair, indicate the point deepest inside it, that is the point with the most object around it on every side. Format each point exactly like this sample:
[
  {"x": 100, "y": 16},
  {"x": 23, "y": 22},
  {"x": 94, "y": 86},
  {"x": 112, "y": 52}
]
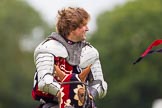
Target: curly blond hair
[{"x": 70, "y": 19}]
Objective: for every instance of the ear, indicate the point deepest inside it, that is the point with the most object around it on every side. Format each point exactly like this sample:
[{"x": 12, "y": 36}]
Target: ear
[
  {"x": 84, "y": 73},
  {"x": 59, "y": 73}
]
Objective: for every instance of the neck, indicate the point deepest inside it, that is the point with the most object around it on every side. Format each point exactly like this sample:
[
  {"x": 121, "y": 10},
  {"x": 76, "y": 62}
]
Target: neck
[
  {"x": 69, "y": 41},
  {"x": 71, "y": 38}
]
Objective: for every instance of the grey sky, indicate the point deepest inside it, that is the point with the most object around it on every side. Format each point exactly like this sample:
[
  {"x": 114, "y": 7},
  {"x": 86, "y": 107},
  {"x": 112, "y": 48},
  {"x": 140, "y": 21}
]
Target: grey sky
[{"x": 48, "y": 8}]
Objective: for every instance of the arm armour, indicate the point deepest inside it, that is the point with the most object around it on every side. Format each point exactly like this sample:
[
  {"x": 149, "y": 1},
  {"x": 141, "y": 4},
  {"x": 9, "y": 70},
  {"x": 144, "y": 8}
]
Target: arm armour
[
  {"x": 97, "y": 85},
  {"x": 44, "y": 61}
]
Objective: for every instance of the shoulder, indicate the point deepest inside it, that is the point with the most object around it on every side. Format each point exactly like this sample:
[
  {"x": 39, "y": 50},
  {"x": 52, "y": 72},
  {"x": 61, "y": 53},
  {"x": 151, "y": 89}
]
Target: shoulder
[
  {"x": 51, "y": 46},
  {"x": 90, "y": 49},
  {"x": 89, "y": 55}
]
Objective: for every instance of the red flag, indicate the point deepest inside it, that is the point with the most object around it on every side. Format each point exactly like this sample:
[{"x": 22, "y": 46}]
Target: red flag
[
  {"x": 149, "y": 51},
  {"x": 155, "y": 43}
]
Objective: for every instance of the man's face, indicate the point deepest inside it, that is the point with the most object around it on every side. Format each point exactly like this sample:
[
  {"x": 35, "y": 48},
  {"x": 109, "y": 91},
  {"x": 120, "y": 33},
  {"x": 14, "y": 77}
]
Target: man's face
[{"x": 80, "y": 33}]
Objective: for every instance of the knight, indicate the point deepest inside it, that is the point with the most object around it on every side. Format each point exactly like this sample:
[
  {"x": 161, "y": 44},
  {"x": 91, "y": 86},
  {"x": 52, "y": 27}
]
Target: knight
[{"x": 68, "y": 49}]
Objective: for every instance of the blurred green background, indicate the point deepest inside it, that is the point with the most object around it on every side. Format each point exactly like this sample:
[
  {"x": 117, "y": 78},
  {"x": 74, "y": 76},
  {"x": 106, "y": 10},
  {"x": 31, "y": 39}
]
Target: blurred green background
[{"x": 122, "y": 35}]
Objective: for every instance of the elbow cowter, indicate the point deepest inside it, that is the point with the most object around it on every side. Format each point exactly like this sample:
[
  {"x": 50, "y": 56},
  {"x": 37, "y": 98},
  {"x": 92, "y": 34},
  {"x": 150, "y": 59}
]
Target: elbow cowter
[
  {"x": 48, "y": 85},
  {"x": 98, "y": 89}
]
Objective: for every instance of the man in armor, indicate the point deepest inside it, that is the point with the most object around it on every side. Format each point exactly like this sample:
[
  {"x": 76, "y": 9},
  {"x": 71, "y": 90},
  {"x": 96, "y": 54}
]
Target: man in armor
[{"x": 67, "y": 49}]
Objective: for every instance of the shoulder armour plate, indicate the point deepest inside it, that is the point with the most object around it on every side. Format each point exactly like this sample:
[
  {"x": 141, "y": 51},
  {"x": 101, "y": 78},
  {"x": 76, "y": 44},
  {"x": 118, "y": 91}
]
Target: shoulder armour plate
[
  {"x": 53, "y": 47},
  {"x": 88, "y": 56}
]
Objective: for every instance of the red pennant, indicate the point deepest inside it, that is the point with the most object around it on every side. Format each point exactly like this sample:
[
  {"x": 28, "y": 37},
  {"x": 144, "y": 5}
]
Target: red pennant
[
  {"x": 155, "y": 43},
  {"x": 149, "y": 51}
]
